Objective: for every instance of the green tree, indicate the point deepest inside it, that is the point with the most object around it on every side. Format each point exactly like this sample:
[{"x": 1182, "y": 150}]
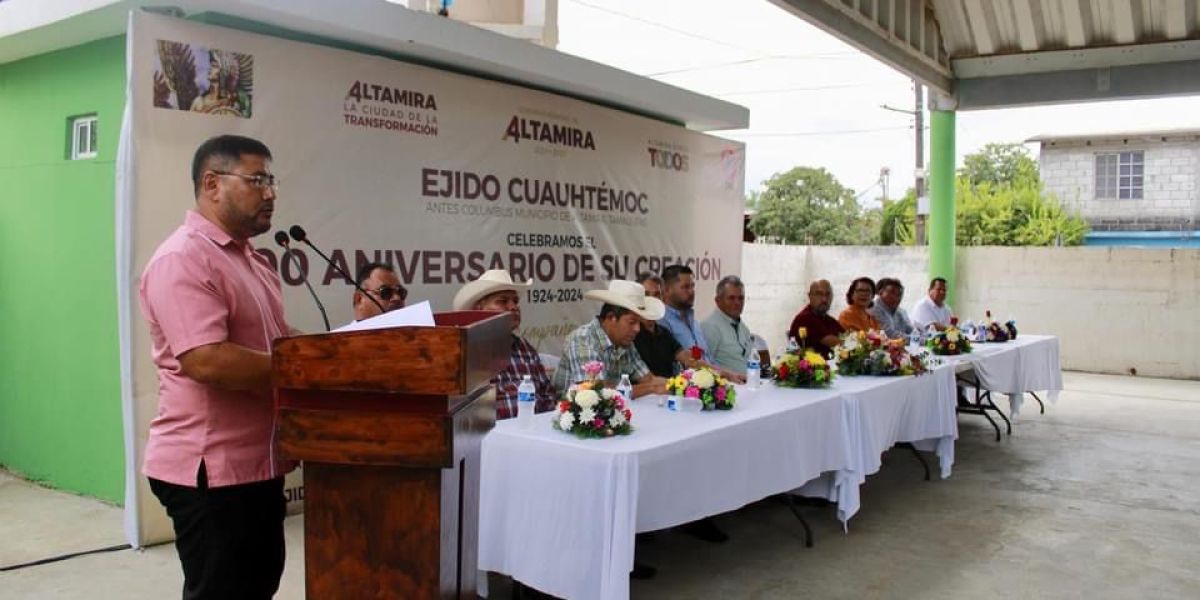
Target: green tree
[
  {"x": 999, "y": 164},
  {"x": 1017, "y": 214},
  {"x": 896, "y": 227},
  {"x": 809, "y": 206},
  {"x": 999, "y": 201}
]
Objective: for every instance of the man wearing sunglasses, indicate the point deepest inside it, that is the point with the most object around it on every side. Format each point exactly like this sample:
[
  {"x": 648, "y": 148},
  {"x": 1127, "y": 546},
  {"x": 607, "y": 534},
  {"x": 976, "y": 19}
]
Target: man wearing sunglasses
[
  {"x": 214, "y": 305},
  {"x": 380, "y": 281}
]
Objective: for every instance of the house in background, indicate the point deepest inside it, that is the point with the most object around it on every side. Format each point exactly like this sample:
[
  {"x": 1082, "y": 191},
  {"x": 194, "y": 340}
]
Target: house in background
[{"x": 1135, "y": 188}]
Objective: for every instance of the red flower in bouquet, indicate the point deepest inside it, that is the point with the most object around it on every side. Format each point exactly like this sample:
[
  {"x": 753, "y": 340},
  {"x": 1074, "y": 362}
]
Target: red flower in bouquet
[{"x": 697, "y": 353}]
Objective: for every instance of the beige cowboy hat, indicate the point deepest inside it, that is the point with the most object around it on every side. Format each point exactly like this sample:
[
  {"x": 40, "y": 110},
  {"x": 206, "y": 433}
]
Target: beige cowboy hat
[
  {"x": 495, "y": 280},
  {"x": 630, "y": 295}
]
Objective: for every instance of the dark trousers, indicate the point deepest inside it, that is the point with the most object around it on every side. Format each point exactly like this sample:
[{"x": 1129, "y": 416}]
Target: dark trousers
[{"x": 229, "y": 539}]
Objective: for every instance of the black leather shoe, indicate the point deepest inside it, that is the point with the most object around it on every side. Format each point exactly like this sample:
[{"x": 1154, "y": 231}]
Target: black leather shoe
[
  {"x": 707, "y": 530},
  {"x": 642, "y": 571}
]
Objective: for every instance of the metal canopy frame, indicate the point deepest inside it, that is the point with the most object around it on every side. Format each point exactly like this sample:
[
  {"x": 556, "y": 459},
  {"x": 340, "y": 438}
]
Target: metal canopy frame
[{"x": 981, "y": 54}]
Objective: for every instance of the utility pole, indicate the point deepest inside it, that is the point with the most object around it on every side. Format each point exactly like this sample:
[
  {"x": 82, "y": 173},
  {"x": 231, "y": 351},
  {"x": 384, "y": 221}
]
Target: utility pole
[
  {"x": 918, "y": 114},
  {"x": 922, "y": 198}
]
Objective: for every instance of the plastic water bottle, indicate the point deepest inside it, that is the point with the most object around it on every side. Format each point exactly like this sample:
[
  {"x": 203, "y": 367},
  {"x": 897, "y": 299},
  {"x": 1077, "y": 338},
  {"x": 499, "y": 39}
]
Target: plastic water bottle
[
  {"x": 753, "y": 371},
  {"x": 625, "y": 388},
  {"x": 526, "y": 394},
  {"x": 914, "y": 337}
]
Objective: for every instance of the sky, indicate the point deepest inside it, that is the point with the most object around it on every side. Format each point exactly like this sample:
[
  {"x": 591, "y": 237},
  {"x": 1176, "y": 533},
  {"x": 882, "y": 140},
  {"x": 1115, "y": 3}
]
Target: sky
[{"x": 813, "y": 100}]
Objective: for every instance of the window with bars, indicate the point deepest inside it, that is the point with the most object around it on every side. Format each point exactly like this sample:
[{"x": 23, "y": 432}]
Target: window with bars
[
  {"x": 1120, "y": 175},
  {"x": 83, "y": 137}
]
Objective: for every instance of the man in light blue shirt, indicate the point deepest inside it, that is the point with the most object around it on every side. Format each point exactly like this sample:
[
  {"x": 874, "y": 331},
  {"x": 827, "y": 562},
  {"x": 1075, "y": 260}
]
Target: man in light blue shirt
[
  {"x": 680, "y": 319},
  {"x": 893, "y": 319},
  {"x": 729, "y": 340}
]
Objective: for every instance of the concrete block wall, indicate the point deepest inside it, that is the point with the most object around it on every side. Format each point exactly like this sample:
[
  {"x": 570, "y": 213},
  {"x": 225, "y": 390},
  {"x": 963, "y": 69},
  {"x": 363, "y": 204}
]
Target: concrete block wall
[
  {"x": 1171, "y": 193},
  {"x": 1114, "y": 309}
]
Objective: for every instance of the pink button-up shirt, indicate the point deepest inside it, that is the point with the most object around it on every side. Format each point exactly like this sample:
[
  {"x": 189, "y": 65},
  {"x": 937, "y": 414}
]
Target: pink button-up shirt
[{"x": 202, "y": 287}]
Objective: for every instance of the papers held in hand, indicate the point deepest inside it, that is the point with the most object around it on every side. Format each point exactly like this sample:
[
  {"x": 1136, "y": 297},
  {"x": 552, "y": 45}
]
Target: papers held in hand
[{"x": 418, "y": 315}]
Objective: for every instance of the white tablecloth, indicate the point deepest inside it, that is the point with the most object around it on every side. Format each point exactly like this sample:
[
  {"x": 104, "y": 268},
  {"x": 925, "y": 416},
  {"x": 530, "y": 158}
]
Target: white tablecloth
[
  {"x": 1029, "y": 363},
  {"x": 547, "y": 497},
  {"x": 560, "y": 513},
  {"x": 882, "y": 412},
  {"x": 890, "y": 410}
]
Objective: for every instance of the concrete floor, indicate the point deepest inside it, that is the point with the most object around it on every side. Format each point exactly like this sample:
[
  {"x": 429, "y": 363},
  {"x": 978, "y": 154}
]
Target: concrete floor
[{"x": 1095, "y": 499}]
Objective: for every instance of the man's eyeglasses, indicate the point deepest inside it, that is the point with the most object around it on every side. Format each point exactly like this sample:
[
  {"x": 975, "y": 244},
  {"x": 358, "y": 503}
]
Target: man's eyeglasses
[
  {"x": 386, "y": 293},
  {"x": 261, "y": 182}
]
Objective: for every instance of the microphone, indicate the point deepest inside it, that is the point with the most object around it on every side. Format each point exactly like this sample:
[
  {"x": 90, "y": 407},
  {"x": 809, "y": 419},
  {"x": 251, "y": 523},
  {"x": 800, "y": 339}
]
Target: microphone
[
  {"x": 301, "y": 236},
  {"x": 281, "y": 238}
]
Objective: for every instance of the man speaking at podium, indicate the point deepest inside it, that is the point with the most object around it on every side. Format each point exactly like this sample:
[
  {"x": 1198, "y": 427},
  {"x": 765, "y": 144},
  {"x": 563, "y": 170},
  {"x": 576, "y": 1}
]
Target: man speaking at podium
[{"x": 214, "y": 306}]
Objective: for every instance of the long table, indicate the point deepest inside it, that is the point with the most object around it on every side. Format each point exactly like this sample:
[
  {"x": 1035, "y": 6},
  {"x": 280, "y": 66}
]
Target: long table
[
  {"x": 560, "y": 514},
  {"x": 1027, "y": 364}
]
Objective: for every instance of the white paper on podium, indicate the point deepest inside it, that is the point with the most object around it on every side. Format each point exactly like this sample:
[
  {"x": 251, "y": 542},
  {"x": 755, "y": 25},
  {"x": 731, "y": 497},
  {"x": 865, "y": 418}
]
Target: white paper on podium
[{"x": 417, "y": 315}]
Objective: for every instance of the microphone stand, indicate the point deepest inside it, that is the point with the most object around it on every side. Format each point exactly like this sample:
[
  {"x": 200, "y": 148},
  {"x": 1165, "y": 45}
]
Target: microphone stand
[
  {"x": 282, "y": 240},
  {"x": 299, "y": 235}
]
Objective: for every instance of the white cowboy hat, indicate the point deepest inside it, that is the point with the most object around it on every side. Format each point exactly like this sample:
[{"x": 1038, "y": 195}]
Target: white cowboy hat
[
  {"x": 496, "y": 280},
  {"x": 630, "y": 295}
]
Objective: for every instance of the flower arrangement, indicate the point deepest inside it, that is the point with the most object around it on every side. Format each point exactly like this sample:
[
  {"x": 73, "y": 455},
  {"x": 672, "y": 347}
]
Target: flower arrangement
[
  {"x": 809, "y": 370},
  {"x": 713, "y": 390},
  {"x": 872, "y": 353},
  {"x": 996, "y": 332},
  {"x": 591, "y": 409},
  {"x": 949, "y": 341}
]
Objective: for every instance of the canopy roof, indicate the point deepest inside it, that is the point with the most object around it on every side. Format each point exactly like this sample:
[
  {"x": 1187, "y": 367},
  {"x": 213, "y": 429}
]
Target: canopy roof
[{"x": 990, "y": 54}]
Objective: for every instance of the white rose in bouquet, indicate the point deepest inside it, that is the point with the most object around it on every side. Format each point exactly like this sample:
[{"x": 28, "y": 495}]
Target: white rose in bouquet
[
  {"x": 586, "y": 415},
  {"x": 587, "y": 398},
  {"x": 566, "y": 421},
  {"x": 703, "y": 379}
]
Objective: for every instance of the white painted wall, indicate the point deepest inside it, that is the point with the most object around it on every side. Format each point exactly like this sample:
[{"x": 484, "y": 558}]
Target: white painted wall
[
  {"x": 1172, "y": 181},
  {"x": 1114, "y": 309}
]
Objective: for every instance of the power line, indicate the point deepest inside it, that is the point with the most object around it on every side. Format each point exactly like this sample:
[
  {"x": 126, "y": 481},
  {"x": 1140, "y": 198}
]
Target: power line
[
  {"x": 828, "y": 56},
  {"x": 816, "y": 88},
  {"x": 711, "y": 40},
  {"x": 815, "y": 133}
]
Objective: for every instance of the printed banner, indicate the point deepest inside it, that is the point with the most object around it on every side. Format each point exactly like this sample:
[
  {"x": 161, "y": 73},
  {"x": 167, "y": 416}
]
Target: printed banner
[{"x": 438, "y": 174}]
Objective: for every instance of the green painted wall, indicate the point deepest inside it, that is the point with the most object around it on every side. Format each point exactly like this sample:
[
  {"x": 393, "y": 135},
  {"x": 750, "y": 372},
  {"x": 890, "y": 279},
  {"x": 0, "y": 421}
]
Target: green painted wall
[{"x": 60, "y": 398}]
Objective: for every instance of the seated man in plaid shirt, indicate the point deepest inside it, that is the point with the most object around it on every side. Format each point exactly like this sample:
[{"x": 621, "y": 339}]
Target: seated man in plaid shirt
[
  {"x": 608, "y": 339},
  {"x": 495, "y": 290}
]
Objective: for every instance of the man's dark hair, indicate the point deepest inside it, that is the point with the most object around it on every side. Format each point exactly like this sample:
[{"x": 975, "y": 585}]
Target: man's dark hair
[
  {"x": 888, "y": 282},
  {"x": 364, "y": 273},
  {"x": 672, "y": 273},
  {"x": 729, "y": 280},
  {"x": 648, "y": 276},
  {"x": 220, "y": 152},
  {"x": 933, "y": 282},
  {"x": 854, "y": 284},
  {"x": 614, "y": 310}
]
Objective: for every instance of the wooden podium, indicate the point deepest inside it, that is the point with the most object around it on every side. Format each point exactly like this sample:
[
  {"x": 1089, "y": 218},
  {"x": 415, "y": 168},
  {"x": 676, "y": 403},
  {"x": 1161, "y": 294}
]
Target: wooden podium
[{"x": 388, "y": 424}]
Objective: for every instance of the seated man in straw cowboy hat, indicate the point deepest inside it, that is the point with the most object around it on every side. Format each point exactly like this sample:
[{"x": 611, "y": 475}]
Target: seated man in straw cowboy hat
[
  {"x": 608, "y": 338},
  {"x": 495, "y": 290}
]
